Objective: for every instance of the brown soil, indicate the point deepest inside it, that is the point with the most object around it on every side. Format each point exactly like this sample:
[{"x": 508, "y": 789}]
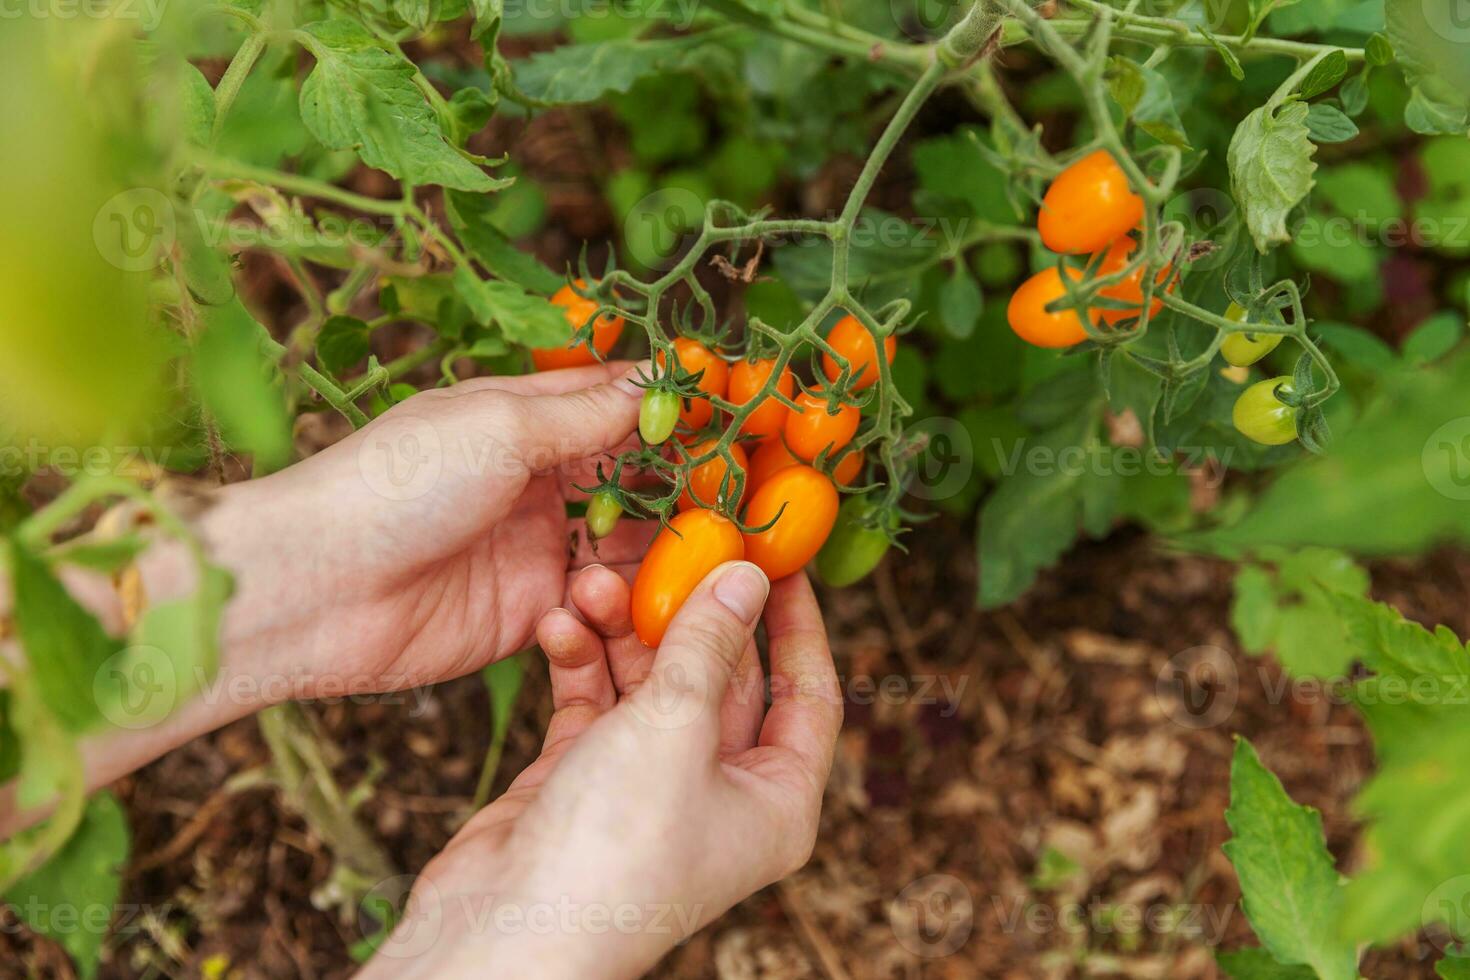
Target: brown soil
[{"x": 992, "y": 739}]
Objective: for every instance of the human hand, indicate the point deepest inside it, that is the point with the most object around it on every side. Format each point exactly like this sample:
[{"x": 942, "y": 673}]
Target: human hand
[
  {"x": 425, "y": 545},
  {"x": 665, "y": 792}
]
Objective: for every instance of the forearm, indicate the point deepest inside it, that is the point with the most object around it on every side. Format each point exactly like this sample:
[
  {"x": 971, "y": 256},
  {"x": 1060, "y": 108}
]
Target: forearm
[{"x": 249, "y": 534}]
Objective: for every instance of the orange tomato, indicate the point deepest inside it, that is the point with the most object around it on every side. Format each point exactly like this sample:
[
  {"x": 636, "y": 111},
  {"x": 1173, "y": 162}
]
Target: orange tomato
[
  {"x": 695, "y": 357},
  {"x": 1088, "y": 206},
  {"x": 852, "y": 340},
  {"x": 769, "y": 459},
  {"x": 1130, "y": 290},
  {"x": 605, "y": 333},
  {"x": 1028, "y": 317},
  {"x": 812, "y": 429},
  {"x": 706, "y": 479},
  {"x": 811, "y": 510},
  {"x": 848, "y": 469},
  {"x": 747, "y": 378},
  {"x": 676, "y": 563}
]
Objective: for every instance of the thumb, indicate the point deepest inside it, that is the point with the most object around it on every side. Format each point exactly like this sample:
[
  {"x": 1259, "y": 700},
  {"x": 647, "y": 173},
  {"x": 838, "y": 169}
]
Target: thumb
[
  {"x": 581, "y": 423},
  {"x": 701, "y": 649}
]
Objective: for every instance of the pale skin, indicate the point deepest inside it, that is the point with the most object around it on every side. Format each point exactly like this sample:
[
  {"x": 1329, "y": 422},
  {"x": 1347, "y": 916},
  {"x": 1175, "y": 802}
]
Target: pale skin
[{"x": 435, "y": 541}]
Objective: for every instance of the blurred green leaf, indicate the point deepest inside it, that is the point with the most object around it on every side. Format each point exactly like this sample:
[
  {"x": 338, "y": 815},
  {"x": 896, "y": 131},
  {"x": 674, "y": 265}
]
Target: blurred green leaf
[
  {"x": 236, "y": 380},
  {"x": 1434, "y": 338},
  {"x": 342, "y": 344},
  {"x": 1287, "y": 608},
  {"x": 471, "y": 216},
  {"x": 960, "y": 302}
]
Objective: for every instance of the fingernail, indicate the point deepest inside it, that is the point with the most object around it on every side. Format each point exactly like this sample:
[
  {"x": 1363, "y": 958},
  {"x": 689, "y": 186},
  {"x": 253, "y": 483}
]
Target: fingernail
[
  {"x": 628, "y": 382},
  {"x": 742, "y": 589}
]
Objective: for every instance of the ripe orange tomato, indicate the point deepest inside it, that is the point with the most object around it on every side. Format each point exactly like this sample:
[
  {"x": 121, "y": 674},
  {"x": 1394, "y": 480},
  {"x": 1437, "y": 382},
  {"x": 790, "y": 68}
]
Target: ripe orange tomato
[
  {"x": 1028, "y": 317},
  {"x": 747, "y": 378},
  {"x": 676, "y": 563},
  {"x": 1130, "y": 290},
  {"x": 707, "y": 478},
  {"x": 811, "y": 510},
  {"x": 1088, "y": 206},
  {"x": 849, "y": 468},
  {"x": 695, "y": 357},
  {"x": 811, "y": 429},
  {"x": 769, "y": 459},
  {"x": 605, "y": 333},
  {"x": 852, "y": 340}
]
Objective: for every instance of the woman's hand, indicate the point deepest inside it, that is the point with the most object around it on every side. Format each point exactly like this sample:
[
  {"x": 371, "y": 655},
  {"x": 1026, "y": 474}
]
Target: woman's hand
[
  {"x": 666, "y": 791},
  {"x": 427, "y": 544}
]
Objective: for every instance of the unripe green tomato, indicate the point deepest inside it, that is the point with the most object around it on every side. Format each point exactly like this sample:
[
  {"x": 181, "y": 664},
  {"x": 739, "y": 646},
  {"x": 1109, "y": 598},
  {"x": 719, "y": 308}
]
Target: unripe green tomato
[
  {"x": 1245, "y": 349},
  {"x": 854, "y": 547},
  {"x": 657, "y": 415},
  {"x": 1262, "y": 417},
  {"x": 603, "y": 511}
]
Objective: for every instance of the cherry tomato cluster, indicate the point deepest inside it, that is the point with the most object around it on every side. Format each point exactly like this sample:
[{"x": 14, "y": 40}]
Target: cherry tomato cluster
[
  {"x": 1088, "y": 210},
  {"x": 1091, "y": 210},
  {"x": 779, "y": 511}
]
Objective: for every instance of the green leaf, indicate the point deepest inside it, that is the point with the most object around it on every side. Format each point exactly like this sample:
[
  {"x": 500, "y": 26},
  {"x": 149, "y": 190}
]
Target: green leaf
[
  {"x": 10, "y": 749},
  {"x": 341, "y": 344},
  {"x": 955, "y": 169},
  {"x": 1430, "y": 45},
  {"x": 1379, "y": 50},
  {"x": 1232, "y": 63},
  {"x": 1453, "y": 967},
  {"x": 1147, "y": 100},
  {"x": 1288, "y": 883},
  {"x": 1271, "y": 169},
  {"x": 72, "y": 897},
  {"x": 471, "y": 217},
  {"x": 530, "y": 321},
  {"x": 1329, "y": 124},
  {"x": 1048, "y": 496},
  {"x": 63, "y": 643},
  {"x": 503, "y": 679},
  {"x": 362, "y": 96},
  {"x": 1256, "y": 964},
  {"x": 107, "y": 556},
  {"x": 587, "y": 72},
  {"x": 173, "y": 651},
  {"x": 196, "y": 105},
  {"x": 236, "y": 381},
  {"x": 960, "y": 302},
  {"x": 1327, "y": 73},
  {"x": 1290, "y": 610},
  {"x": 1434, "y": 338}
]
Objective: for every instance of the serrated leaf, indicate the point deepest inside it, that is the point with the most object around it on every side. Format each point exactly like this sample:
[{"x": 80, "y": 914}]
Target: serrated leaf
[
  {"x": 362, "y": 96},
  {"x": 587, "y": 72},
  {"x": 522, "y": 318},
  {"x": 1290, "y": 610},
  {"x": 64, "y": 644},
  {"x": 1327, "y": 73},
  {"x": 1288, "y": 883},
  {"x": 469, "y": 215},
  {"x": 1329, "y": 124},
  {"x": 1271, "y": 169},
  {"x": 341, "y": 344},
  {"x": 81, "y": 878}
]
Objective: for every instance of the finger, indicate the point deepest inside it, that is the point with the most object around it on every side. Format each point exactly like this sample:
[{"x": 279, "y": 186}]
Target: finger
[
  {"x": 581, "y": 687},
  {"x": 701, "y": 649},
  {"x": 744, "y": 705},
  {"x": 548, "y": 382},
  {"x": 604, "y": 599},
  {"x": 806, "y": 700},
  {"x": 558, "y": 428}
]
